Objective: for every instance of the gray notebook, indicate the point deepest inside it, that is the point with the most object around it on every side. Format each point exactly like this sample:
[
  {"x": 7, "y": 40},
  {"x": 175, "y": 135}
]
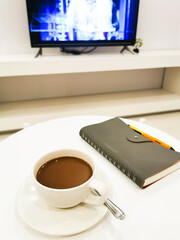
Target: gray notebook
[{"x": 142, "y": 160}]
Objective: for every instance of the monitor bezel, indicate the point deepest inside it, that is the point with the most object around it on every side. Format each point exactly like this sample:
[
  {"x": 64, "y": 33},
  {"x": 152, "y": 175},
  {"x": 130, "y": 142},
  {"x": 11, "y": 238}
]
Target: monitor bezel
[{"x": 37, "y": 43}]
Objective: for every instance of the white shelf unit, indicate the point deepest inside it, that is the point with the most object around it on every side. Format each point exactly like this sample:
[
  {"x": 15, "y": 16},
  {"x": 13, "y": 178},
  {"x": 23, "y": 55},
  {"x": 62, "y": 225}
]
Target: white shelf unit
[
  {"x": 24, "y": 65},
  {"x": 16, "y": 115}
]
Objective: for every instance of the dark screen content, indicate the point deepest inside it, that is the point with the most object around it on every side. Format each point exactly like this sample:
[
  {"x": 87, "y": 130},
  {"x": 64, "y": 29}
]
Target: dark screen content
[{"x": 64, "y": 172}]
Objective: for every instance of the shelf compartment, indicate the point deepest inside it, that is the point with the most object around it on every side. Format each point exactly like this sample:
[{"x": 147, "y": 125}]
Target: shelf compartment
[{"x": 17, "y": 115}]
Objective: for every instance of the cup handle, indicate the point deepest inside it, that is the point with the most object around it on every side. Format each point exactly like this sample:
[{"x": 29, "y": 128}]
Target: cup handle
[{"x": 95, "y": 199}]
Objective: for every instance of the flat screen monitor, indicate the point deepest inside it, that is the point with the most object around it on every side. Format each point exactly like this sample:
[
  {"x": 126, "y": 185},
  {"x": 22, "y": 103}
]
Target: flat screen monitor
[{"x": 75, "y": 23}]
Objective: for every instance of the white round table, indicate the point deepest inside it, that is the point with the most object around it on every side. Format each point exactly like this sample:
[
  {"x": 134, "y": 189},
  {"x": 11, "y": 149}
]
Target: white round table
[{"x": 151, "y": 213}]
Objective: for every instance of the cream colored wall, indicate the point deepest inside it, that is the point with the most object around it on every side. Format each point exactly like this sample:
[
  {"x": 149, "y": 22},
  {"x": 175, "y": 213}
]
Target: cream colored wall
[{"x": 158, "y": 26}]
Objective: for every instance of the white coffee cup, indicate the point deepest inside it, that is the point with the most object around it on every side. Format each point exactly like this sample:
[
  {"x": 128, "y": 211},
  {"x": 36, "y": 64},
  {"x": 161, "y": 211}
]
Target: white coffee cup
[{"x": 65, "y": 198}]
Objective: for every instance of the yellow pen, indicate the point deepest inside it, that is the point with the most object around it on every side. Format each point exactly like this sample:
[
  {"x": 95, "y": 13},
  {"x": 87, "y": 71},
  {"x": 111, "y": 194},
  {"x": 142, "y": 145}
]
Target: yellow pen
[{"x": 153, "y": 139}]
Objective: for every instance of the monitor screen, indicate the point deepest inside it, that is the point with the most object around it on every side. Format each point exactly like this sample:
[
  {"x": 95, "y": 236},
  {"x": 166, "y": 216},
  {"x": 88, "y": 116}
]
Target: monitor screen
[{"x": 56, "y": 23}]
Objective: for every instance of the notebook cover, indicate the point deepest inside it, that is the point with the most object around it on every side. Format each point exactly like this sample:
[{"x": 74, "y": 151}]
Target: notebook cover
[{"x": 136, "y": 156}]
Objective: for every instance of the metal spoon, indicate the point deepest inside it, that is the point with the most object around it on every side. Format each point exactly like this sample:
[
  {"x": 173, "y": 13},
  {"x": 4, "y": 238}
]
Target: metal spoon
[{"x": 115, "y": 210}]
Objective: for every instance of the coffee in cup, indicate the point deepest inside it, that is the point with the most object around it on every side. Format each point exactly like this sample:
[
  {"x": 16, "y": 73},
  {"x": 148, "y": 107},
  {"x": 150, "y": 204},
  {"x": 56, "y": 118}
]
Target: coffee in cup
[
  {"x": 64, "y": 178},
  {"x": 64, "y": 172}
]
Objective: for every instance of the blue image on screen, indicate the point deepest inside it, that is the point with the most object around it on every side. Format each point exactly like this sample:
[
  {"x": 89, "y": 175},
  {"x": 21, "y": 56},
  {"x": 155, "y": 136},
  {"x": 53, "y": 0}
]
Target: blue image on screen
[{"x": 83, "y": 20}]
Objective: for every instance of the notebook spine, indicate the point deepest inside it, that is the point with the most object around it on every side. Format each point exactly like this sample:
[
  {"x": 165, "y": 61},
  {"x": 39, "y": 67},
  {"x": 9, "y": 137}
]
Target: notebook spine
[{"x": 122, "y": 168}]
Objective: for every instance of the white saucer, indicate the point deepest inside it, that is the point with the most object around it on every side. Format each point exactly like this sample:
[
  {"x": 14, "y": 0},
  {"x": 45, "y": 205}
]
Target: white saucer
[{"x": 52, "y": 221}]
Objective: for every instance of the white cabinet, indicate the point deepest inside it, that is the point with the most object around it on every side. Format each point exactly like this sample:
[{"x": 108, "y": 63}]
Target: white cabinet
[{"x": 105, "y": 96}]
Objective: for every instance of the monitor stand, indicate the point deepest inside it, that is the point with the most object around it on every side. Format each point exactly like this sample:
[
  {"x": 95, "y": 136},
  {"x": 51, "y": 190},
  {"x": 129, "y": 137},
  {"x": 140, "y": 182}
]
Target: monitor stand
[
  {"x": 127, "y": 49},
  {"x": 39, "y": 53}
]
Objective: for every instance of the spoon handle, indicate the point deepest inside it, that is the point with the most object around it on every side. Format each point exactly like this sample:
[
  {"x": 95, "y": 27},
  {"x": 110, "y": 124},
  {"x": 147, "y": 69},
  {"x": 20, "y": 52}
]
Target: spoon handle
[{"x": 115, "y": 210}]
